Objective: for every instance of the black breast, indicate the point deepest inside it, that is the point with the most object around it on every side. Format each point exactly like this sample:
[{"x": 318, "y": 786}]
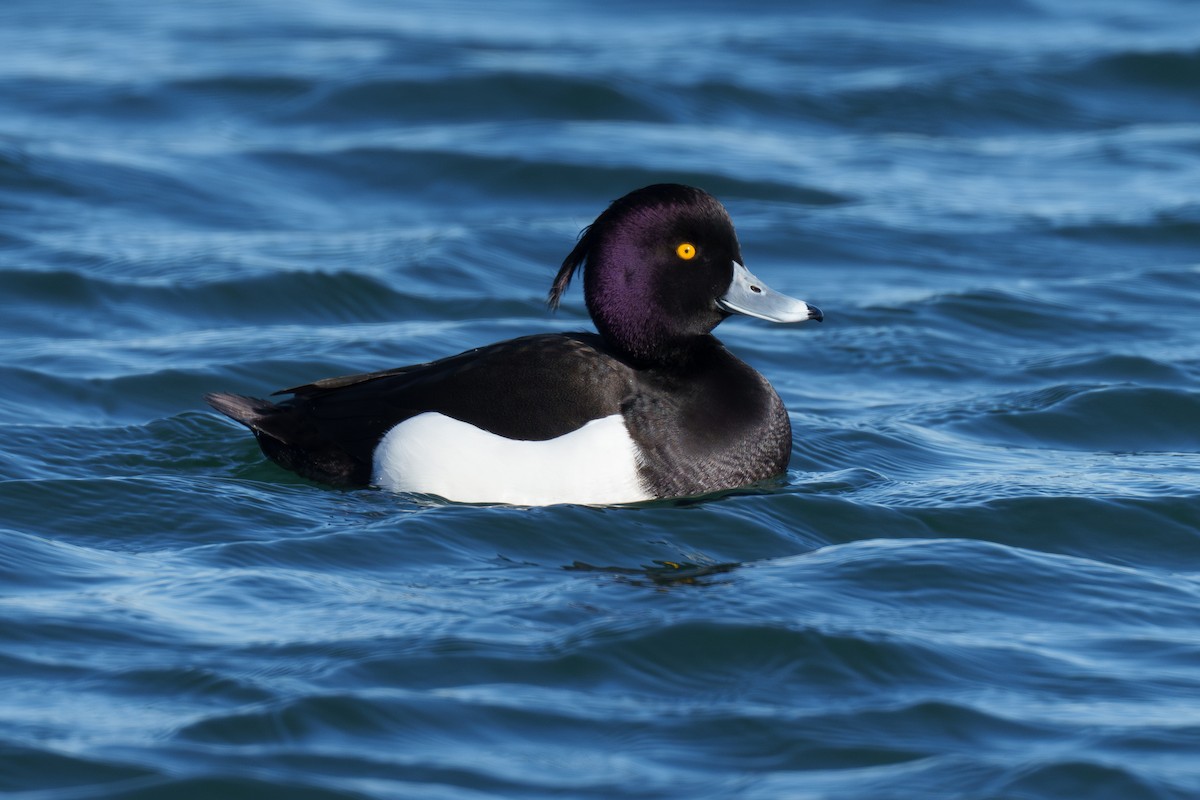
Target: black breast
[{"x": 710, "y": 425}]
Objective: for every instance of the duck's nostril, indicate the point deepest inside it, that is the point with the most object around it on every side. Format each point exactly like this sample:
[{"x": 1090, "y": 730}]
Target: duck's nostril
[{"x": 755, "y": 289}]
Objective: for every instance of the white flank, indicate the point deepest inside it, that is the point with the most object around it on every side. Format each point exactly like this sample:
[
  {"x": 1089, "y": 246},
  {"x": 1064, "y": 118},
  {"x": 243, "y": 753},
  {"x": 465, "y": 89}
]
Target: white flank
[{"x": 435, "y": 454}]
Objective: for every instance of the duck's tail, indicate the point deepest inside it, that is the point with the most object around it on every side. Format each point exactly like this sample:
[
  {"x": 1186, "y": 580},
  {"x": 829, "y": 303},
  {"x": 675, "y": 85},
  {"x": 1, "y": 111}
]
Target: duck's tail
[
  {"x": 291, "y": 439},
  {"x": 250, "y": 411}
]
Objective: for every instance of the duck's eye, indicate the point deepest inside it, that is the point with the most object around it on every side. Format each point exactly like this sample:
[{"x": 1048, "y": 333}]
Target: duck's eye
[{"x": 686, "y": 251}]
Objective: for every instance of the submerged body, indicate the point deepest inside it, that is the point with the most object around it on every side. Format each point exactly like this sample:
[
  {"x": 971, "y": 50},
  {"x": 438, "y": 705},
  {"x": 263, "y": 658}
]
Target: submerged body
[{"x": 652, "y": 406}]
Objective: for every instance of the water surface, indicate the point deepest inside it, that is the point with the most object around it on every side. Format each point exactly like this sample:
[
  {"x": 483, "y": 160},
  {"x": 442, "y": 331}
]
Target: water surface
[{"x": 978, "y": 578}]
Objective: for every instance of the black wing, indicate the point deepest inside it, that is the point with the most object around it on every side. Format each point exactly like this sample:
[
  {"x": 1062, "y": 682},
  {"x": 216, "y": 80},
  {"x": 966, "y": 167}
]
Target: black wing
[{"x": 533, "y": 388}]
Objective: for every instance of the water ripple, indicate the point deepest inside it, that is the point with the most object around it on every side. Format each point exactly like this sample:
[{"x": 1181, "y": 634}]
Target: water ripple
[{"x": 976, "y": 580}]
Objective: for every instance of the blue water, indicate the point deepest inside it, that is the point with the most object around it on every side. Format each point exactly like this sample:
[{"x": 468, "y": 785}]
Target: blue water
[{"x": 979, "y": 579}]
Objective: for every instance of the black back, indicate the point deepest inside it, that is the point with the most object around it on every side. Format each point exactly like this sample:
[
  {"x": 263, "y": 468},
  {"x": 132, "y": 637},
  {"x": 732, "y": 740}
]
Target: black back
[{"x": 533, "y": 388}]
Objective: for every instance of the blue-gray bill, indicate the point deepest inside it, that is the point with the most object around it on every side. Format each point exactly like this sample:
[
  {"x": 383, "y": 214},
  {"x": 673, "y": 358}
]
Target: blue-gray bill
[{"x": 750, "y": 296}]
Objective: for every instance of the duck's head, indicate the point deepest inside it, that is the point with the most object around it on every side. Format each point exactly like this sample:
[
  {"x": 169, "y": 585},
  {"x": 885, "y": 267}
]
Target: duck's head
[{"x": 662, "y": 267}]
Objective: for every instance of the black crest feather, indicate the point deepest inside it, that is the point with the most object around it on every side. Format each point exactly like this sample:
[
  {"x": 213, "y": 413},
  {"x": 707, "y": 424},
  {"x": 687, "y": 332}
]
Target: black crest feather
[{"x": 572, "y": 262}]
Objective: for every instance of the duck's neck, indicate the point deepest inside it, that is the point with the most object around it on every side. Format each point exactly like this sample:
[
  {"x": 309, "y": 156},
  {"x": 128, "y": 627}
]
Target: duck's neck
[{"x": 684, "y": 356}]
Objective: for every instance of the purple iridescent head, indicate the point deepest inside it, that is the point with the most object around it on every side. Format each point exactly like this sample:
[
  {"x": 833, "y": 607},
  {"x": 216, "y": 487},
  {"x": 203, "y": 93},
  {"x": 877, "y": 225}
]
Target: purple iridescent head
[{"x": 662, "y": 267}]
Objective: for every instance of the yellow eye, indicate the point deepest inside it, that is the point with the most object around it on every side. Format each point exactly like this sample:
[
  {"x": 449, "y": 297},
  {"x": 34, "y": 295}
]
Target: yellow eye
[{"x": 686, "y": 251}]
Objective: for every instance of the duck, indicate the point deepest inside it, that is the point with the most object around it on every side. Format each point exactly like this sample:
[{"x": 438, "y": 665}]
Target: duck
[{"x": 650, "y": 406}]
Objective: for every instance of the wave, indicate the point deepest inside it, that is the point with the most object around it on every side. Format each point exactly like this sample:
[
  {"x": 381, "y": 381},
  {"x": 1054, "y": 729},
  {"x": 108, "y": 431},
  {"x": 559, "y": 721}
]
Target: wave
[{"x": 1112, "y": 419}]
